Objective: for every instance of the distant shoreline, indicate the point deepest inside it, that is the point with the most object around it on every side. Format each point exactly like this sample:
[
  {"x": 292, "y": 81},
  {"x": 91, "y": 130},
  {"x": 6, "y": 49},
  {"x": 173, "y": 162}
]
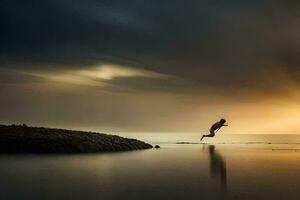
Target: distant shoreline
[
  {"x": 215, "y": 143},
  {"x": 21, "y": 139}
]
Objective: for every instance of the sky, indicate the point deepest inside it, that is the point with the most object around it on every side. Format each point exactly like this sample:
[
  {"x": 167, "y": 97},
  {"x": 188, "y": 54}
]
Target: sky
[{"x": 151, "y": 66}]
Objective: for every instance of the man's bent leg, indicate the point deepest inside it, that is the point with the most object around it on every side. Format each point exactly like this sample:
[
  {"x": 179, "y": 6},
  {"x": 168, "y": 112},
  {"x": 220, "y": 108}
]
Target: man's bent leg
[{"x": 208, "y": 135}]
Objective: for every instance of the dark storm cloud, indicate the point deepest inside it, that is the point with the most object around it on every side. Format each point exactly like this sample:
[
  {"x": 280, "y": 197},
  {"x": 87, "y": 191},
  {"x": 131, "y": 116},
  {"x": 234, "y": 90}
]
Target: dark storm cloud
[{"x": 237, "y": 44}]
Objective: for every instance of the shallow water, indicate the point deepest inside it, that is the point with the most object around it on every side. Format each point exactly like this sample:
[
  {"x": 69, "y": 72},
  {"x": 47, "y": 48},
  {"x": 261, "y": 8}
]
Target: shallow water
[{"x": 172, "y": 172}]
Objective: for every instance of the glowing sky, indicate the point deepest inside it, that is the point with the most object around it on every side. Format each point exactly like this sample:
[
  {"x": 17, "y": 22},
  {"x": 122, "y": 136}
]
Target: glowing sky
[{"x": 151, "y": 66}]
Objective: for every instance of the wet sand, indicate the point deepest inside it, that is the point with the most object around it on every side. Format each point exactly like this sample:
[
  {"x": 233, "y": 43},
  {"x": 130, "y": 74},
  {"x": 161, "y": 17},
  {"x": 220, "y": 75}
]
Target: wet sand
[{"x": 179, "y": 171}]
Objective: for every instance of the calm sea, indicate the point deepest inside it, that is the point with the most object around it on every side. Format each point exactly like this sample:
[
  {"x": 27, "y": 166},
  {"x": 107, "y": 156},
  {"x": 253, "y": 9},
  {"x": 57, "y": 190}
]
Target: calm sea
[{"x": 175, "y": 171}]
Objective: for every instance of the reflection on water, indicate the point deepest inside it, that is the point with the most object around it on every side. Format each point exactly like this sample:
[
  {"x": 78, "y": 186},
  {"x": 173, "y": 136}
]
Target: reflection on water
[
  {"x": 172, "y": 172},
  {"x": 217, "y": 166}
]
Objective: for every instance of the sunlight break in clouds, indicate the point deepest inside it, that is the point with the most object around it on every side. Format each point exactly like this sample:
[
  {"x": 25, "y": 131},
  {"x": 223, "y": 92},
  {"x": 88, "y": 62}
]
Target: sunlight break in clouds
[{"x": 95, "y": 76}]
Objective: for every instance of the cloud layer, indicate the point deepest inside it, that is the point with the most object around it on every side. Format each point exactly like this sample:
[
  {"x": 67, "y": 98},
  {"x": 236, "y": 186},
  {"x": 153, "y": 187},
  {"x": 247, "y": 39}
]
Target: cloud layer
[{"x": 211, "y": 43}]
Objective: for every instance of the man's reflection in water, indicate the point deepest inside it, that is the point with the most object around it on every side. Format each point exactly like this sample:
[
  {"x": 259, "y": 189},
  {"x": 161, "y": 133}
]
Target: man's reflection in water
[{"x": 217, "y": 166}]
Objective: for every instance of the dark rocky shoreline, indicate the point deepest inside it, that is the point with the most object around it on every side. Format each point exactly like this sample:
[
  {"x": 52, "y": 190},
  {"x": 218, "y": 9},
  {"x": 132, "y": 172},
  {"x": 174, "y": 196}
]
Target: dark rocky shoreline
[{"x": 39, "y": 140}]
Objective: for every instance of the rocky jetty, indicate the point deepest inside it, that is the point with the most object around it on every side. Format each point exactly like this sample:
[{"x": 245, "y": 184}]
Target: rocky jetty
[{"x": 24, "y": 139}]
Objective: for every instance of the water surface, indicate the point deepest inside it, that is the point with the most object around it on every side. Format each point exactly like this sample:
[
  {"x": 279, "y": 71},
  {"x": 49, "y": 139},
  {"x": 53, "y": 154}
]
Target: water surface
[{"x": 173, "y": 172}]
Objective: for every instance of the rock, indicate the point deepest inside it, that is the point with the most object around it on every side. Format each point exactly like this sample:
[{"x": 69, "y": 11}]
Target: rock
[
  {"x": 156, "y": 146},
  {"x": 26, "y": 139}
]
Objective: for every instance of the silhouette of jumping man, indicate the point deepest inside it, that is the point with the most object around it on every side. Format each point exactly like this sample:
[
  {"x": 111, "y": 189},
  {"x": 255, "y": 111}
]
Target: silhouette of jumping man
[{"x": 214, "y": 128}]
